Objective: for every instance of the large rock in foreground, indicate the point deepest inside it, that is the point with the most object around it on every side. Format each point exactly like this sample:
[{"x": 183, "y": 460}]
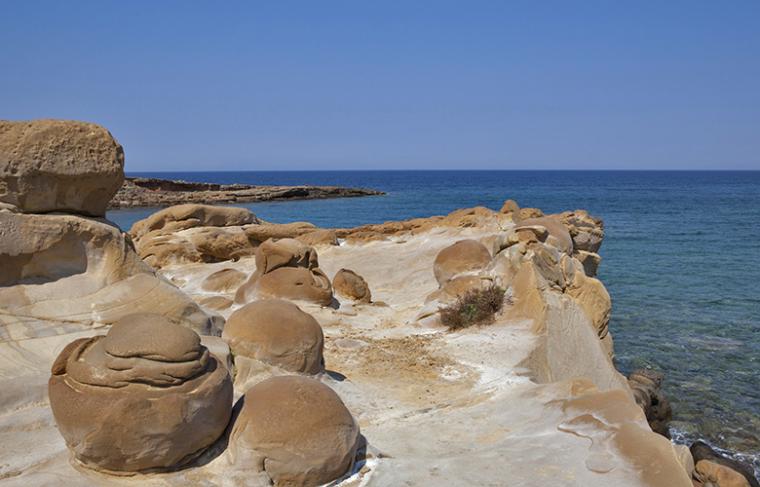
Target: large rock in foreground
[
  {"x": 296, "y": 431},
  {"x": 58, "y": 165},
  {"x": 146, "y": 396}
]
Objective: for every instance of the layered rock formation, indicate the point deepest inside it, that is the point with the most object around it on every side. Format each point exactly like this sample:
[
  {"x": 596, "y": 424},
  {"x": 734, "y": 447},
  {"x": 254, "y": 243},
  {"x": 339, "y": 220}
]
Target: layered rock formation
[
  {"x": 68, "y": 272},
  {"x": 295, "y": 431},
  {"x": 154, "y": 192},
  {"x": 146, "y": 396},
  {"x": 289, "y": 269}
]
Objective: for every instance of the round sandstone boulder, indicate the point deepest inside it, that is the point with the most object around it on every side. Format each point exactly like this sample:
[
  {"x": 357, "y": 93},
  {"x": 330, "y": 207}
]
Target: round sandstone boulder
[
  {"x": 145, "y": 397},
  {"x": 223, "y": 281},
  {"x": 351, "y": 285},
  {"x": 296, "y": 431},
  {"x": 59, "y": 165},
  {"x": 276, "y": 332},
  {"x": 463, "y": 256},
  {"x": 294, "y": 283}
]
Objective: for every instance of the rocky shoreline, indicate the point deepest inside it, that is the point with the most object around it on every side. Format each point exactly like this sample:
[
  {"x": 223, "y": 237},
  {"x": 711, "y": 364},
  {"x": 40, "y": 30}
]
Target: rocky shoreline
[
  {"x": 137, "y": 192},
  {"x": 206, "y": 346}
]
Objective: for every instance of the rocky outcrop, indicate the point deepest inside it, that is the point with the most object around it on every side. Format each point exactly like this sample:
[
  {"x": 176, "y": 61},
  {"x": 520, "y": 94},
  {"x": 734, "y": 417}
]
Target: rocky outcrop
[
  {"x": 194, "y": 233},
  {"x": 223, "y": 281},
  {"x": 296, "y": 431},
  {"x": 287, "y": 269},
  {"x": 646, "y": 386},
  {"x": 715, "y": 469},
  {"x": 146, "y": 396},
  {"x": 351, "y": 285},
  {"x": 278, "y": 333},
  {"x": 58, "y": 165},
  {"x": 154, "y": 192}
]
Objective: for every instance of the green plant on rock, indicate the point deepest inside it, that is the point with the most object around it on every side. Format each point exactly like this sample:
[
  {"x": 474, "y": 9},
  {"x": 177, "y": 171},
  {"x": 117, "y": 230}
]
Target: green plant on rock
[{"x": 476, "y": 307}]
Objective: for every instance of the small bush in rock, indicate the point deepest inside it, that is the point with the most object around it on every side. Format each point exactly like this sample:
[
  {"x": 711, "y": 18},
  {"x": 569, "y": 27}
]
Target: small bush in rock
[{"x": 476, "y": 307}]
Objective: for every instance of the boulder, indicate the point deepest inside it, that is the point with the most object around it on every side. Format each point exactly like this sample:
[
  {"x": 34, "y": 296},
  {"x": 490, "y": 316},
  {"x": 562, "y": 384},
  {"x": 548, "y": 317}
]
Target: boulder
[
  {"x": 223, "y": 281},
  {"x": 294, "y": 283},
  {"x": 296, "y": 431},
  {"x": 589, "y": 260},
  {"x": 351, "y": 285},
  {"x": 586, "y": 231},
  {"x": 550, "y": 230},
  {"x": 716, "y": 467},
  {"x": 510, "y": 207},
  {"x": 181, "y": 217},
  {"x": 59, "y": 165},
  {"x": 216, "y": 303},
  {"x": 289, "y": 269},
  {"x": 462, "y": 256},
  {"x": 145, "y": 397},
  {"x": 278, "y": 333}
]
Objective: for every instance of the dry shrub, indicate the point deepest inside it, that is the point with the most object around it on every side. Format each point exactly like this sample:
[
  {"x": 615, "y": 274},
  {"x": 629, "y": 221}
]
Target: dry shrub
[{"x": 476, "y": 307}]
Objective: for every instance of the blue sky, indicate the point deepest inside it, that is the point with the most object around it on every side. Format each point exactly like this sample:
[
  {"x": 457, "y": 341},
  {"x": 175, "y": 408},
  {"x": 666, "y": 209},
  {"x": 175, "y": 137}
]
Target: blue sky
[{"x": 395, "y": 85}]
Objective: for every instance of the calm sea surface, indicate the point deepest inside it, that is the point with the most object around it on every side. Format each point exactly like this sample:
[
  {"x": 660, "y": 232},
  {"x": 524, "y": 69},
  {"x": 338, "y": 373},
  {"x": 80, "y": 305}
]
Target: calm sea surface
[{"x": 681, "y": 261}]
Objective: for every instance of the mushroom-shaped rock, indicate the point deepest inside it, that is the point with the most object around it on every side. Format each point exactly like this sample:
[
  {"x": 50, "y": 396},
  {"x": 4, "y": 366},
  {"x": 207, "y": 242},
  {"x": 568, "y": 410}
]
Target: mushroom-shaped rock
[
  {"x": 276, "y": 332},
  {"x": 551, "y": 230},
  {"x": 351, "y": 285},
  {"x": 59, "y": 165},
  {"x": 286, "y": 268},
  {"x": 295, "y": 283},
  {"x": 296, "y": 431},
  {"x": 145, "y": 397},
  {"x": 225, "y": 280},
  {"x": 463, "y": 256}
]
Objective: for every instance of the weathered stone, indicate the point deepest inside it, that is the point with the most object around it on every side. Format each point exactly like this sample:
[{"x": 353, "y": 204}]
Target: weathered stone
[
  {"x": 182, "y": 217},
  {"x": 702, "y": 452},
  {"x": 556, "y": 232},
  {"x": 351, "y": 285},
  {"x": 590, "y": 261},
  {"x": 462, "y": 256},
  {"x": 147, "y": 396},
  {"x": 222, "y": 281},
  {"x": 59, "y": 165},
  {"x": 296, "y": 431},
  {"x": 278, "y": 333}
]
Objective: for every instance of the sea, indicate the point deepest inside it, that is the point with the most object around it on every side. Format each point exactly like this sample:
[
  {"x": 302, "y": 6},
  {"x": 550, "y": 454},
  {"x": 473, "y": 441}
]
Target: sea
[{"x": 681, "y": 260}]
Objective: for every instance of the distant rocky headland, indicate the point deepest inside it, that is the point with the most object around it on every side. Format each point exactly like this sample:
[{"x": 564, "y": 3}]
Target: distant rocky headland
[
  {"x": 208, "y": 347},
  {"x": 154, "y": 192}
]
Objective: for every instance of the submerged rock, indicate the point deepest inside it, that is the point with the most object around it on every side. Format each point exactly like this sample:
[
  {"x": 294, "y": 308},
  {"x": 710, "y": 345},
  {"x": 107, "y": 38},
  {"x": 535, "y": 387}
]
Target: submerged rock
[
  {"x": 59, "y": 165},
  {"x": 146, "y": 396},
  {"x": 296, "y": 431}
]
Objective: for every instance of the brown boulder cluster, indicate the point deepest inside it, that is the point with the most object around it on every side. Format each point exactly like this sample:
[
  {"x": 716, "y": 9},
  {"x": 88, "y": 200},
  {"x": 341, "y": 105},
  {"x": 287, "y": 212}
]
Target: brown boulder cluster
[{"x": 148, "y": 396}]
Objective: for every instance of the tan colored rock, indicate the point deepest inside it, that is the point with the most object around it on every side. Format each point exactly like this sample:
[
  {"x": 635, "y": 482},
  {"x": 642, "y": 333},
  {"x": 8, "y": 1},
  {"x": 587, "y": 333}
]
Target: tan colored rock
[
  {"x": 709, "y": 472},
  {"x": 586, "y": 231},
  {"x": 463, "y": 256},
  {"x": 319, "y": 236},
  {"x": 216, "y": 303},
  {"x": 510, "y": 207},
  {"x": 77, "y": 273},
  {"x": 526, "y": 213},
  {"x": 351, "y": 285},
  {"x": 182, "y": 217},
  {"x": 296, "y": 431},
  {"x": 685, "y": 459},
  {"x": 223, "y": 281},
  {"x": 551, "y": 230},
  {"x": 59, "y": 165},
  {"x": 590, "y": 262},
  {"x": 288, "y": 269},
  {"x": 147, "y": 396},
  {"x": 593, "y": 297},
  {"x": 278, "y": 333},
  {"x": 294, "y": 283}
]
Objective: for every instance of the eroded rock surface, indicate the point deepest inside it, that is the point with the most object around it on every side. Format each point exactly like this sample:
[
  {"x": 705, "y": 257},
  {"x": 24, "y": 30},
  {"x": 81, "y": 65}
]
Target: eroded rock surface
[
  {"x": 296, "y": 431},
  {"x": 276, "y": 332},
  {"x": 351, "y": 285},
  {"x": 59, "y": 165},
  {"x": 146, "y": 396}
]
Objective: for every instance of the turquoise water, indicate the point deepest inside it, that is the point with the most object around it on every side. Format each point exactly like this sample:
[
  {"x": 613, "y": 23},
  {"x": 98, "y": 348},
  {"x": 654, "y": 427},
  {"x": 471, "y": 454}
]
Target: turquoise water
[{"x": 681, "y": 261}]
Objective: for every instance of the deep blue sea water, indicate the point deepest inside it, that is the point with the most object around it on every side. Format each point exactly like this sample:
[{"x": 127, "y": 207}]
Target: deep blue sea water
[{"x": 681, "y": 260}]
